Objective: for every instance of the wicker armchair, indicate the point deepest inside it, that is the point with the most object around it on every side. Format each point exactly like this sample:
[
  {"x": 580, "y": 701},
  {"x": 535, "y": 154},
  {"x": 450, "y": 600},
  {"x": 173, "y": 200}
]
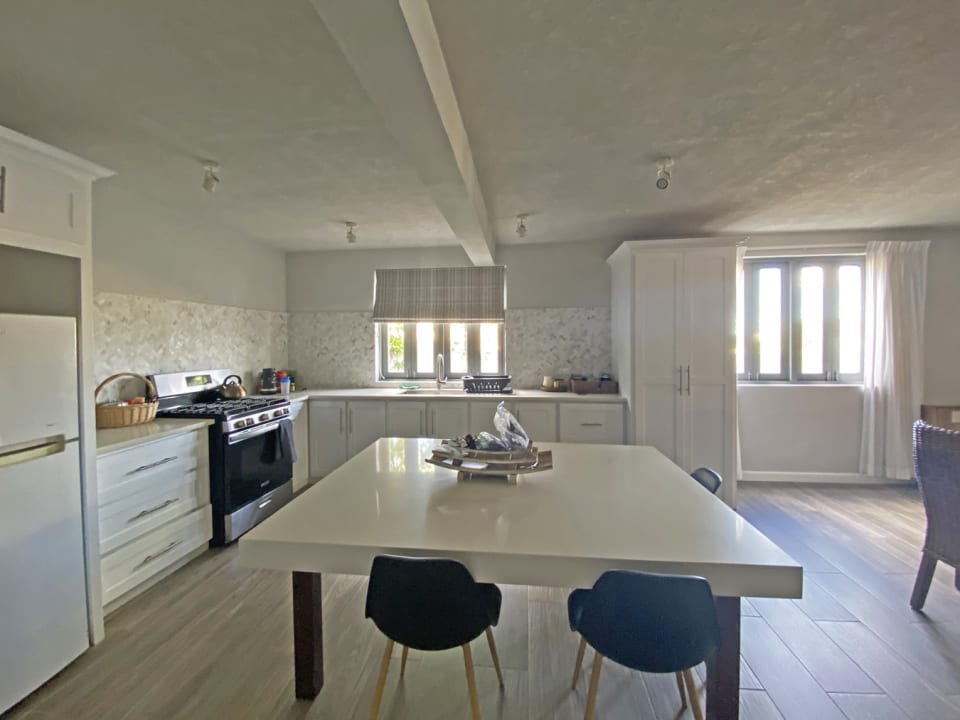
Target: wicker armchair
[{"x": 936, "y": 455}]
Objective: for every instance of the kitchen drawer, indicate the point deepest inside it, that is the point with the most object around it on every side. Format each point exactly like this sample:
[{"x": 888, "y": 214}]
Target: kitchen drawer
[
  {"x": 136, "y": 562},
  {"x": 157, "y": 501},
  {"x": 591, "y": 423},
  {"x": 118, "y": 473}
]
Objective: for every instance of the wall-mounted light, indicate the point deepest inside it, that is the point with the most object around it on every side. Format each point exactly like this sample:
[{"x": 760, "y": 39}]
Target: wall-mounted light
[
  {"x": 210, "y": 177},
  {"x": 351, "y": 232},
  {"x": 522, "y": 225},
  {"x": 664, "y": 167}
]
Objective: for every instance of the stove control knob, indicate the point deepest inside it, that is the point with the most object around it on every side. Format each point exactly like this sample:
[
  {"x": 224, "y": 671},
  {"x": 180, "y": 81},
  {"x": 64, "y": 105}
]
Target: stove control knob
[
  {"x": 286, "y": 411},
  {"x": 248, "y": 422},
  {"x": 265, "y": 417},
  {"x": 278, "y": 413}
]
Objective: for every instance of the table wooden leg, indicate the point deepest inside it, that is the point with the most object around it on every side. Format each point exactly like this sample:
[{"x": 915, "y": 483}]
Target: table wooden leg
[
  {"x": 723, "y": 668},
  {"x": 307, "y": 634}
]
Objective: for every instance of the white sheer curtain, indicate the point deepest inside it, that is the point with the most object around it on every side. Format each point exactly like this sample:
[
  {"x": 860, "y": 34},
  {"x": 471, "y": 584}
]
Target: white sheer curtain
[
  {"x": 896, "y": 285},
  {"x": 741, "y": 254}
]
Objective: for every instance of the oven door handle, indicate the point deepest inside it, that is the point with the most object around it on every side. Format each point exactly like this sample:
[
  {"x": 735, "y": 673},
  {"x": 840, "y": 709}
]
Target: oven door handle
[{"x": 251, "y": 433}]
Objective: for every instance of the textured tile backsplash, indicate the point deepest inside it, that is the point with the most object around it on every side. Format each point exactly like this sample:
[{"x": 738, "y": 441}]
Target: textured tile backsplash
[
  {"x": 337, "y": 349},
  {"x": 333, "y": 349},
  {"x": 553, "y": 341},
  {"x": 327, "y": 349},
  {"x": 149, "y": 335}
]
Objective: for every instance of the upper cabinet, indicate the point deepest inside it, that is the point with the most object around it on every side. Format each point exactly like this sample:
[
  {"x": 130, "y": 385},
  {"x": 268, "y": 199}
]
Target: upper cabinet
[
  {"x": 44, "y": 191},
  {"x": 674, "y": 317}
]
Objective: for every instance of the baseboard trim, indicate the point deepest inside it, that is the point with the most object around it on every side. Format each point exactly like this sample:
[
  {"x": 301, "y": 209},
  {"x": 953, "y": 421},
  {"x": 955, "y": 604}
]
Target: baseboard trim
[{"x": 764, "y": 476}]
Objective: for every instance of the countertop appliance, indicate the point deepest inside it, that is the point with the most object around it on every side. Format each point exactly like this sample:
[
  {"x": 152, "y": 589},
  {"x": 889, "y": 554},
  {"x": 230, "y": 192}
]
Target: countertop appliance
[
  {"x": 251, "y": 451},
  {"x": 268, "y": 381},
  {"x": 43, "y": 596}
]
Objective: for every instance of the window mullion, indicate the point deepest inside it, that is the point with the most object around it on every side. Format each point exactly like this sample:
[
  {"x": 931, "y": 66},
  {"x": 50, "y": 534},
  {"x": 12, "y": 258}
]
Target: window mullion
[
  {"x": 410, "y": 349},
  {"x": 831, "y": 321},
  {"x": 473, "y": 349}
]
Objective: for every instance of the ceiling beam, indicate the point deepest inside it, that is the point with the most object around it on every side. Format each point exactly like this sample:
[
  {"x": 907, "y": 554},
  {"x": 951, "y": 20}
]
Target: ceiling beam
[{"x": 396, "y": 55}]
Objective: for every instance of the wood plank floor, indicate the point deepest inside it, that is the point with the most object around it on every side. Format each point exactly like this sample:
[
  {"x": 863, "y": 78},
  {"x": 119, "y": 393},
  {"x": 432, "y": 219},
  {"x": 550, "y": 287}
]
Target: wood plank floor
[{"x": 215, "y": 639}]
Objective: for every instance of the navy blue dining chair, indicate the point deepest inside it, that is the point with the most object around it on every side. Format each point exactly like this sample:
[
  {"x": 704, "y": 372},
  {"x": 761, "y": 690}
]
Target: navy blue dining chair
[
  {"x": 431, "y": 604},
  {"x": 647, "y": 622},
  {"x": 709, "y": 478}
]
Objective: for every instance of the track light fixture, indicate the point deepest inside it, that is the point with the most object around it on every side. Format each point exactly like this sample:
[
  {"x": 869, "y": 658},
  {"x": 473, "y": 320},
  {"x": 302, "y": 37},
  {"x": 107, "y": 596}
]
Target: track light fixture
[
  {"x": 210, "y": 177},
  {"x": 664, "y": 167},
  {"x": 522, "y": 225},
  {"x": 351, "y": 232}
]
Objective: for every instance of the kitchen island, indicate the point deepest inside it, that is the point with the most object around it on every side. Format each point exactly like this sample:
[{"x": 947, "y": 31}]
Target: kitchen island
[{"x": 600, "y": 508}]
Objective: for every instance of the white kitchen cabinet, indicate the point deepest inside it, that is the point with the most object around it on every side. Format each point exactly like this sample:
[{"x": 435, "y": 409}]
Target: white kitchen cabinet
[
  {"x": 482, "y": 413},
  {"x": 366, "y": 423},
  {"x": 591, "y": 423},
  {"x": 328, "y": 436},
  {"x": 406, "y": 419},
  {"x": 153, "y": 509},
  {"x": 674, "y": 328},
  {"x": 539, "y": 419},
  {"x": 301, "y": 441},
  {"x": 448, "y": 418},
  {"x": 42, "y": 200}
]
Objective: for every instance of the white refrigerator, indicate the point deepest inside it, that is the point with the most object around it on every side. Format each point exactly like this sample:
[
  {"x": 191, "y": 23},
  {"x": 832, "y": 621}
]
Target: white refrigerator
[{"x": 43, "y": 602}]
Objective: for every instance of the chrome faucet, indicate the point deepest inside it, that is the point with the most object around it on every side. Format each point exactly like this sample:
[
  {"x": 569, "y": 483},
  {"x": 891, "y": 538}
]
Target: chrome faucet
[{"x": 441, "y": 371}]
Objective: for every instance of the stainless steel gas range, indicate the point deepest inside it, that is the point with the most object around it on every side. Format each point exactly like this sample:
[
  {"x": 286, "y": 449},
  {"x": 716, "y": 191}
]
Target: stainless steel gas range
[{"x": 251, "y": 448}]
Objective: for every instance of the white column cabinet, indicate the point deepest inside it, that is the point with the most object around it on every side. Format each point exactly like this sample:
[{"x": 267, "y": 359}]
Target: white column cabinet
[
  {"x": 448, "y": 418},
  {"x": 366, "y": 423},
  {"x": 328, "y": 436},
  {"x": 406, "y": 419},
  {"x": 677, "y": 301}
]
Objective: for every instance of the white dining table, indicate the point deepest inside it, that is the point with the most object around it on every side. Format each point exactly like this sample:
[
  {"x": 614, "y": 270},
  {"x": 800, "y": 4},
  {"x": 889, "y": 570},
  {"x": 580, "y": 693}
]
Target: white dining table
[{"x": 601, "y": 507}]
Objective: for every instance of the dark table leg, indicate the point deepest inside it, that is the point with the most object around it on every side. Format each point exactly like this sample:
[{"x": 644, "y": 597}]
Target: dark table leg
[
  {"x": 723, "y": 669},
  {"x": 307, "y": 634}
]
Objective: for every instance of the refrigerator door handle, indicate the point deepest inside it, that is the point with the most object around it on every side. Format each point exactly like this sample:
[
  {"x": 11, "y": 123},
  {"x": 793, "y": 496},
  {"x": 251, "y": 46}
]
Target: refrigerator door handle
[{"x": 45, "y": 448}]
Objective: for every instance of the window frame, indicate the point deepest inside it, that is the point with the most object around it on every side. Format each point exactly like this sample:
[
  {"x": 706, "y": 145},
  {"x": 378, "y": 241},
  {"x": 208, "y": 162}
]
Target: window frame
[
  {"x": 441, "y": 344},
  {"x": 790, "y": 324}
]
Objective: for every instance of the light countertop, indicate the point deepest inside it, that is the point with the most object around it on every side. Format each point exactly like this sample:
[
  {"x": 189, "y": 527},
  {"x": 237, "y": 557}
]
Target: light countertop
[
  {"x": 428, "y": 392},
  {"x": 115, "y": 439},
  {"x": 600, "y": 507}
]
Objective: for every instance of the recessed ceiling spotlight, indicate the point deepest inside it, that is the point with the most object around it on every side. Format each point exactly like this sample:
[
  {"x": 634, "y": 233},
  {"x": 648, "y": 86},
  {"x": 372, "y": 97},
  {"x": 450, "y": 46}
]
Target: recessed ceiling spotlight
[
  {"x": 664, "y": 167},
  {"x": 351, "y": 232},
  {"x": 522, "y": 225},
  {"x": 210, "y": 177}
]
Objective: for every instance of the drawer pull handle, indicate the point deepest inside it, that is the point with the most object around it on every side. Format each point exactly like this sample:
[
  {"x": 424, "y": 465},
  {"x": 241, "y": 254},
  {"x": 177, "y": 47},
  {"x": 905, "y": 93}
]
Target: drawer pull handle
[
  {"x": 152, "y": 465},
  {"x": 262, "y": 505},
  {"x": 160, "y": 553},
  {"x": 155, "y": 508},
  {"x": 591, "y": 424}
]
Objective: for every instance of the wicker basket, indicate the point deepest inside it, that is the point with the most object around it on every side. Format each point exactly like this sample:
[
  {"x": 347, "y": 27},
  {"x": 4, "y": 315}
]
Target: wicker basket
[{"x": 110, "y": 415}]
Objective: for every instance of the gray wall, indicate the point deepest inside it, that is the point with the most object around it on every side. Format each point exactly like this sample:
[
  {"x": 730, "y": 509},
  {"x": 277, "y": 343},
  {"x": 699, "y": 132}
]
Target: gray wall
[
  {"x": 38, "y": 283},
  {"x": 140, "y": 248},
  {"x": 538, "y": 276},
  {"x": 942, "y": 327}
]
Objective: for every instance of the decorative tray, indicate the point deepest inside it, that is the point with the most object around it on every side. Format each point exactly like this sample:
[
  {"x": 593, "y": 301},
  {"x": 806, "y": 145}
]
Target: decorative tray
[{"x": 487, "y": 464}]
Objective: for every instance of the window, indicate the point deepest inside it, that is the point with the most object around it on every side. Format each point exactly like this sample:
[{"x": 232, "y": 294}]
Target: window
[
  {"x": 409, "y": 350},
  {"x": 800, "y": 319}
]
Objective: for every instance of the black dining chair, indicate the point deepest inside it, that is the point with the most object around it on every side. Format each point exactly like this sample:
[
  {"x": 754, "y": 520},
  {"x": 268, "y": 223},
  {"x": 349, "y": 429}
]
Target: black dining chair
[
  {"x": 709, "y": 478},
  {"x": 431, "y": 604},
  {"x": 648, "y": 622},
  {"x": 936, "y": 456}
]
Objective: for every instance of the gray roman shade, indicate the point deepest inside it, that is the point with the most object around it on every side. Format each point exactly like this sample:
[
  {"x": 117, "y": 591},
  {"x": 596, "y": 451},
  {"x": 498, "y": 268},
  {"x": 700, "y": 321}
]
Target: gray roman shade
[{"x": 450, "y": 294}]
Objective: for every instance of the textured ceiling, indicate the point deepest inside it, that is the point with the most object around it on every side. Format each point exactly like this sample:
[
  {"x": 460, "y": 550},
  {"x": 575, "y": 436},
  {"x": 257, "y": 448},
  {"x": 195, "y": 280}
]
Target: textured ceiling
[
  {"x": 150, "y": 88},
  {"x": 781, "y": 116}
]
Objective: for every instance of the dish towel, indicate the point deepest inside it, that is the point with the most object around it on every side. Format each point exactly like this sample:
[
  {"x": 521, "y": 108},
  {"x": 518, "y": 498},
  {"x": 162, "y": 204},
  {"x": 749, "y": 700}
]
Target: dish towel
[{"x": 286, "y": 440}]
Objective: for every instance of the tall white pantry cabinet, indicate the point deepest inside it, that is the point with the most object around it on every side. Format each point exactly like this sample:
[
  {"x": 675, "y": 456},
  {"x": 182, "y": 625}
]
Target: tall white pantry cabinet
[{"x": 674, "y": 349}]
